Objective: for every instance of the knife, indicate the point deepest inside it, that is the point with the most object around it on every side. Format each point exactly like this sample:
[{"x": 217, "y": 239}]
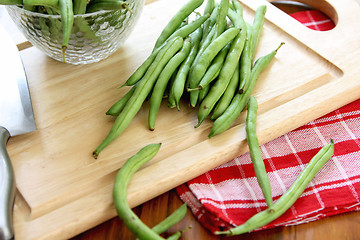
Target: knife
[{"x": 16, "y": 117}]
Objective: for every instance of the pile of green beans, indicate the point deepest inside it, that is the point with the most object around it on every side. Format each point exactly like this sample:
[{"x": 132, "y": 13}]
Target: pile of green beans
[
  {"x": 125, "y": 213},
  {"x": 212, "y": 66},
  {"x": 67, "y": 9}
]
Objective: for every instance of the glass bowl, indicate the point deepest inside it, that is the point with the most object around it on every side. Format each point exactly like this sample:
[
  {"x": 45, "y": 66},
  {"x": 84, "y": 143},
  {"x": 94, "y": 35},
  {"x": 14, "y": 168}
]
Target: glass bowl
[{"x": 94, "y": 37}]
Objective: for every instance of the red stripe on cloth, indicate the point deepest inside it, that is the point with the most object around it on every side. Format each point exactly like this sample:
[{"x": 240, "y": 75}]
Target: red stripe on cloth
[
  {"x": 314, "y": 19},
  {"x": 230, "y": 194}
]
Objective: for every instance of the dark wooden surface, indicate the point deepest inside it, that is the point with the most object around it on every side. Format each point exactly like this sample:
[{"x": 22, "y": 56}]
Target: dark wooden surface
[{"x": 344, "y": 226}]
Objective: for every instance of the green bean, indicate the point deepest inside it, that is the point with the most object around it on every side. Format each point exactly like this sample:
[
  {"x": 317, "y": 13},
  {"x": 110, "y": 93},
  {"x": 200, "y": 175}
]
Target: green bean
[
  {"x": 67, "y": 20},
  {"x": 213, "y": 71},
  {"x": 209, "y": 9},
  {"x": 117, "y": 107},
  {"x": 257, "y": 26},
  {"x": 289, "y": 197},
  {"x": 208, "y": 55},
  {"x": 228, "y": 95},
  {"x": 11, "y": 2},
  {"x": 176, "y": 20},
  {"x": 208, "y": 25},
  {"x": 239, "y": 101},
  {"x": 177, "y": 89},
  {"x": 122, "y": 179},
  {"x": 246, "y": 60},
  {"x": 231, "y": 62},
  {"x": 182, "y": 32},
  {"x": 141, "y": 92},
  {"x": 221, "y": 17},
  {"x": 95, "y": 6},
  {"x": 171, "y": 220},
  {"x": 79, "y": 6},
  {"x": 46, "y": 3},
  {"x": 162, "y": 82},
  {"x": 255, "y": 151}
]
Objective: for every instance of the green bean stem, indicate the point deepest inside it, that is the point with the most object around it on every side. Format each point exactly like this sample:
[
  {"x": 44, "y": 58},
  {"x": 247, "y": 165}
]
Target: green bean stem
[
  {"x": 142, "y": 90},
  {"x": 67, "y": 20},
  {"x": 289, "y": 197},
  {"x": 162, "y": 82},
  {"x": 238, "y": 103},
  {"x": 255, "y": 151},
  {"x": 176, "y": 20},
  {"x": 123, "y": 177}
]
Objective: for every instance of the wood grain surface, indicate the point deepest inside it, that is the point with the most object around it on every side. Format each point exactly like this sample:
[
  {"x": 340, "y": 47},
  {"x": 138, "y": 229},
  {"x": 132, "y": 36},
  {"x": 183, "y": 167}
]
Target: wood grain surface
[{"x": 67, "y": 194}]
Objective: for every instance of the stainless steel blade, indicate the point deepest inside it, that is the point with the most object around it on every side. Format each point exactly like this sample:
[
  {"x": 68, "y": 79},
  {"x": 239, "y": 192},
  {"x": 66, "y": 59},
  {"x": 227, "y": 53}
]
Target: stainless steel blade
[
  {"x": 16, "y": 113},
  {"x": 16, "y": 117}
]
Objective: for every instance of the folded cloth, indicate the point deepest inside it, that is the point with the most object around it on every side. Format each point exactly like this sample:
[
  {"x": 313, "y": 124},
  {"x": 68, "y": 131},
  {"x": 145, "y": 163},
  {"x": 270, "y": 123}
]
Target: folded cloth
[{"x": 229, "y": 195}]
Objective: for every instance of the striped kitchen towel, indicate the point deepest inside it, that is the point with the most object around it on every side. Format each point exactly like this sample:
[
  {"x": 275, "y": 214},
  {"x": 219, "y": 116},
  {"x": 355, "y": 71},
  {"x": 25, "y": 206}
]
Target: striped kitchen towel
[{"x": 229, "y": 194}]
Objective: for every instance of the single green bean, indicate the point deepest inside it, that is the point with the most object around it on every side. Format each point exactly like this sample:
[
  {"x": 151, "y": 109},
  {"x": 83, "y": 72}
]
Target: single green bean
[
  {"x": 228, "y": 95},
  {"x": 142, "y": 90},
  {"x": 289, "y": 197},
  {"x": 178, "y": 87},
  {"x": 95, "y": 6},
  {"x": 230, "y": 64},
  {"x": 122, "y": 179},
  {"x": 162, "y": 82},
  {"x": 221, "y": 17},
  {"x": 67, "y": 20},
  {"x": 255, "y": 151},
  {"x": 11, "y": 2},
  {"x": 117, "y": 107},
  {"x": 79, "y": 6},
  {"x": 50, "y": 3},
  {"x": 171, "y": 220},
  {"x": 182, "y": 32},
  {"x": 209, "y": 54},
  {"x": 246, "y": 60},
  {"x": 257, "y": 26},
  {"x": 176, "y": 20},
  {"x": 238, "y": 103}
]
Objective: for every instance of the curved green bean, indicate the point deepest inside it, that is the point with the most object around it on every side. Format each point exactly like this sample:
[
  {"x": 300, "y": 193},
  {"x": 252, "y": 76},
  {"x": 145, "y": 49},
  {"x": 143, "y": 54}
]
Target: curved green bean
[
  {"x": 255, "y": 151},
  {"x": 289, "y": 197},
  {"x": 122, "y": 179},
  {"x": 238, "y": 103},
  {"x": 117, "y": 107},
  {"x": 178, "y": 87},
  {"x": 162, "y": 82},
  {"x": 176, "y": 20},
  {"x": 228, "y": 95},
  {"x": 142, "y": 90}
]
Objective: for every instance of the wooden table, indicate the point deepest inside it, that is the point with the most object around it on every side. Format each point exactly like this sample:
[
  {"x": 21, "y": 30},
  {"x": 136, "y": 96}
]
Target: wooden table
[{"x": 345, "y": 226}]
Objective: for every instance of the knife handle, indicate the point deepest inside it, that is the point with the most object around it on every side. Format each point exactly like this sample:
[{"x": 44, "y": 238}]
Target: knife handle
[{"x": 7, "y": 189}]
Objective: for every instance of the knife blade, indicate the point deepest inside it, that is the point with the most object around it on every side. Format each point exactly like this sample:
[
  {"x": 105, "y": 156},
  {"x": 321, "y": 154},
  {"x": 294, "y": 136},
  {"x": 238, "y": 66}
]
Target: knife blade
[{"x": 16, "y": 117}]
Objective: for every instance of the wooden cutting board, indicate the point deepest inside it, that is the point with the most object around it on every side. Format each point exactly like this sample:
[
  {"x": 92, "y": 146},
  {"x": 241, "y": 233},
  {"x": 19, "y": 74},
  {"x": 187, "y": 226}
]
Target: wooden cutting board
[{"x": 63, "y": 190}]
